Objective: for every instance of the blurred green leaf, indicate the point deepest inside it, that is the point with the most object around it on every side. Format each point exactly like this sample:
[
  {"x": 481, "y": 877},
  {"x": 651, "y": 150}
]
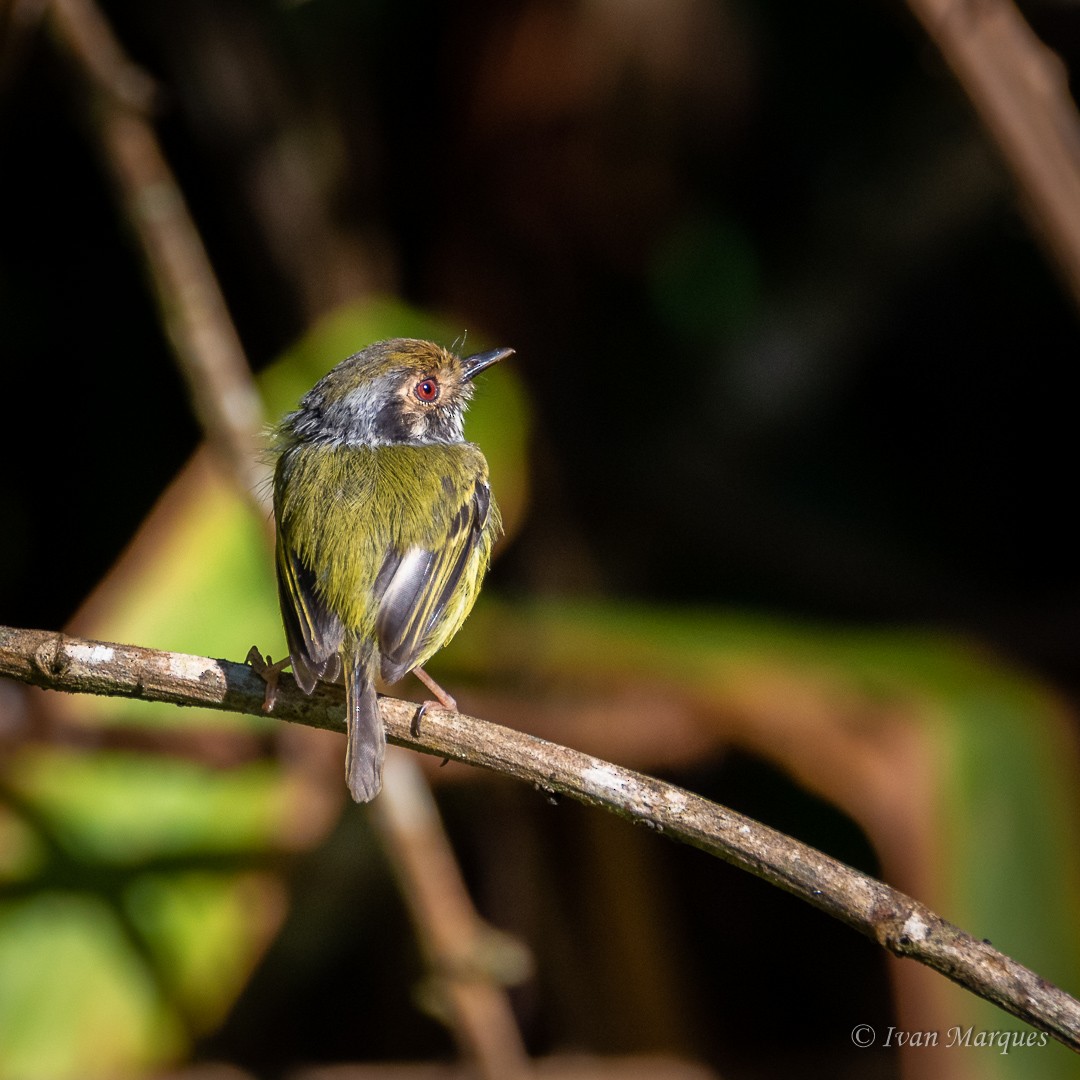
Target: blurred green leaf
[
  {"x": 189, "y": 923},
  {"x": 128, "y": 808},
  {"x": 75, "y": 1001}
]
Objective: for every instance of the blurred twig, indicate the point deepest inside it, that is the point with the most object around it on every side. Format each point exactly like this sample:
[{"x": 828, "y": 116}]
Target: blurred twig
[
  {"x": 193, "y": 308},
  {"x": 19, "y": 21},
  {"x": 1020, "y": 89},
  {"x": 900, "y": 924},
  {"x": 462, "y": 952}
]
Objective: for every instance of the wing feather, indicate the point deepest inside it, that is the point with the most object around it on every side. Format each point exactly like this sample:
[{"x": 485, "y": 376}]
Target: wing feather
[
  {"x": 313, "y": 632},
  {"x": 422, "y": 584}
]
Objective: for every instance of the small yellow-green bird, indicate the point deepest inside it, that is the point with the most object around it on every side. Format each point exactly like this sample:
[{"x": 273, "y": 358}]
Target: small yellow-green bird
[{"x": 385, "y": 523}]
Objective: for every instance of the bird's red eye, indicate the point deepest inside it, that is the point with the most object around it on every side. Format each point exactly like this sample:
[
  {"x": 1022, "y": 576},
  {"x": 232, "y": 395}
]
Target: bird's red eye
[{"x": 427, "y": 389}]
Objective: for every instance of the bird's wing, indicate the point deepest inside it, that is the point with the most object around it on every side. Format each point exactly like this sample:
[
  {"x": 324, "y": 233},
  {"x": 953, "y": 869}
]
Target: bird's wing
[
  {"x": 313, "y": 632},
  {"x": 422, "y": 583}
]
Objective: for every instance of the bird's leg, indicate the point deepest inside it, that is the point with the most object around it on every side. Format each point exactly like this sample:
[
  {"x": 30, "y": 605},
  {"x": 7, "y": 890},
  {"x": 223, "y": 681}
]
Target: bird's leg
[
  {"x": 443, "y": 699},
  {"x": 269, "y": 672},
  {"x": 441, "y": 696}
]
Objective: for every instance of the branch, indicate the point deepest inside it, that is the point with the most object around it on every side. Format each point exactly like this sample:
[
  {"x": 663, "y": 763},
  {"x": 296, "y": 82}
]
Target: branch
[
  {"x": 1020, "y": 89},
  {"x": 897, "y": 922}
]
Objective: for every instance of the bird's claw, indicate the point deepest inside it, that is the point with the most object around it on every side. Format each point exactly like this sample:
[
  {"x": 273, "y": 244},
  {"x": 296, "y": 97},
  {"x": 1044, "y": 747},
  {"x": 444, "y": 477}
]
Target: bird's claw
[
  {"x": 269, "y": 672},
  {"x": 418, "y": 716}
]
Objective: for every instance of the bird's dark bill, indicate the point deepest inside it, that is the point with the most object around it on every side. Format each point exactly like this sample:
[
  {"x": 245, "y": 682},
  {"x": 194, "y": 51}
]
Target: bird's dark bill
[{"x": 476, "y": 363}]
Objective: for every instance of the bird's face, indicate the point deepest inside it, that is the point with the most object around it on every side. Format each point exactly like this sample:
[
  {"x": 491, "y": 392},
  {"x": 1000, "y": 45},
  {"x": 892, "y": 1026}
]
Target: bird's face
[{"x": 399, "y": 391}]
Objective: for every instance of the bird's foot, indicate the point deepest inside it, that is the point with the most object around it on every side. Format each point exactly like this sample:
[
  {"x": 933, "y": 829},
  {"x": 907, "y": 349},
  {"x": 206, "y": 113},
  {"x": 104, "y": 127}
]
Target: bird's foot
[
  {"x": 269, "y": 672},
  {"x": 443, "y": 699}
]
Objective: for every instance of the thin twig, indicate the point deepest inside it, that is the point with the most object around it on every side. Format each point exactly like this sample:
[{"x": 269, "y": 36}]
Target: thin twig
[
  {"x": 900, "y": 924},
  {"x": 193, "y": 308},
  {"x": 463, "y": 952},
  {"x": 1020, "y": 90},
  {"x": 85, "y": 30}
]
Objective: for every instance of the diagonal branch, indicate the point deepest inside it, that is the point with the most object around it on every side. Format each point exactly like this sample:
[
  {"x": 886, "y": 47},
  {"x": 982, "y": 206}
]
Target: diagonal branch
[
  {"x": 192, "y": 307},
  {"x": 897, "y": 922},
  {"x": 1020, "y": 89}
]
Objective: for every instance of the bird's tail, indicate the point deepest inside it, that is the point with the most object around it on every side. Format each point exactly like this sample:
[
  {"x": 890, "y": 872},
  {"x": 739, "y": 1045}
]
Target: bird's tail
[{"x": 367, "y": 736}]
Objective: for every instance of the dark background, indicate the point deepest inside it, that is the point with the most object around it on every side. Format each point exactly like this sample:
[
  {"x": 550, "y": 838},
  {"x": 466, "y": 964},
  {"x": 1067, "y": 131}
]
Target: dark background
[
  {"x": 779, "y": 315},
  {"x": 777, "y": 309}
]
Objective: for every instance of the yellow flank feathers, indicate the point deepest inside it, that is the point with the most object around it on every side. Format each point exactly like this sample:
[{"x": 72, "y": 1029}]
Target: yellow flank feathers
[{"x": 342, "y": 509}]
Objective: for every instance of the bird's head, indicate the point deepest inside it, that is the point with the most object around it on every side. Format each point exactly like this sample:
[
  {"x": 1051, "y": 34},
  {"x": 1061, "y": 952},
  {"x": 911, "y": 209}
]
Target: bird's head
[{"x": 397, "y": 391}]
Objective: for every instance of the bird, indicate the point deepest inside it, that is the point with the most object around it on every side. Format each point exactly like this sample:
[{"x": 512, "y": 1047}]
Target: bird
[{"x": 384, "y": 524}]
